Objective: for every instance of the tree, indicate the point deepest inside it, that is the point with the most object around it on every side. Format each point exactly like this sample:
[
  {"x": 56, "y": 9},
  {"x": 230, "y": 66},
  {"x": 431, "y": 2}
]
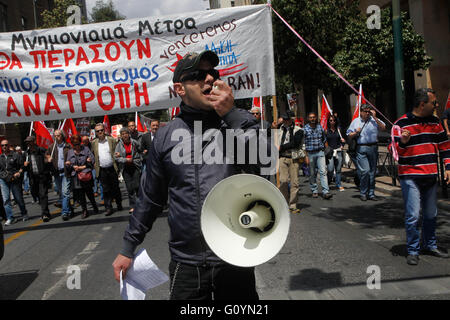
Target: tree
[
  {"x": 366, "y": 56},
  {"x": 337, "y": 30},
  {"x": 103, "y": 12},
  {"x": 321, "y": 24},
  {"x": 57, "y": 17}
]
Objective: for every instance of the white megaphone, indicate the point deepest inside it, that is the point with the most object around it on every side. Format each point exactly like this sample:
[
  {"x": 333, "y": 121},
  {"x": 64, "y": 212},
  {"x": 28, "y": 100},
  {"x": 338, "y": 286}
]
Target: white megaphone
[{"x": 245, "y": 220}]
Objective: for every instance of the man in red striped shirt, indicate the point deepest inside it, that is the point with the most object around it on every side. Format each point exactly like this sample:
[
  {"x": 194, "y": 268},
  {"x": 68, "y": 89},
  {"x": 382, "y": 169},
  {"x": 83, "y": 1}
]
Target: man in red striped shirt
[{"x": 421, "y": 139}]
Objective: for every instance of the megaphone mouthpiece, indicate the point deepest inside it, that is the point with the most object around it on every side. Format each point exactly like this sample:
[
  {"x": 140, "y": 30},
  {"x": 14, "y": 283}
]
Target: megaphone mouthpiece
[{"x": 260, "y": 217}]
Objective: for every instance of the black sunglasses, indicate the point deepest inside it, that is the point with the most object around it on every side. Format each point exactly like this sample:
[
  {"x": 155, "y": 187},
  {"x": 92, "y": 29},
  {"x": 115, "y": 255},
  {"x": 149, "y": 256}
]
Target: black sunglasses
[
  {"x": 4, "y": 145},
  {"x": 101, "y": 130},
  {"x": 200, "y": 75}
]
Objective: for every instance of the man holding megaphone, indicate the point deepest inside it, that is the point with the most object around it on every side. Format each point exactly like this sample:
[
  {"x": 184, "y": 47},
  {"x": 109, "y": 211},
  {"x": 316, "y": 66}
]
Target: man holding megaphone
[{"x": 196, "y": 272}]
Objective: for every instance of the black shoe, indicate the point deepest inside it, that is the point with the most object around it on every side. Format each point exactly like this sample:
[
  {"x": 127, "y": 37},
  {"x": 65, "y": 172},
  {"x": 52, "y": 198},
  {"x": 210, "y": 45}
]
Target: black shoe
[
  {"x": 58, "y": 205},
  {"x": 363, "y": 198},
  {"x": 108, "y": 212},
  {"x": 85, "y": 214},
  {"x": 373, "y": 198},
  {"x": 45, "y": 218},
  {"x": 119, "y": 207},
  {"x": 435, "y": 252},
  {"x": 327, "y": 196},
  {"x": 412, "y": 260},
  {"x": 96, "y": 210},
  {"x": 65, "y": 217}
]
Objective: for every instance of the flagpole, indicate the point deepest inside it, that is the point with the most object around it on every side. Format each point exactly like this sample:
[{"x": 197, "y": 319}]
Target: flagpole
[
  {"x": 262, "y": 112},
  {"x": 359, "y": 100},
  {"x": 31, "y": 128},
  {"x": 275, "y": 117}
]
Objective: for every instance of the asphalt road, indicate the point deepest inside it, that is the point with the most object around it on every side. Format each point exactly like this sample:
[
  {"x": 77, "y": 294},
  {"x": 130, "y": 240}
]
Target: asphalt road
[{"x": 333, "y": 249}]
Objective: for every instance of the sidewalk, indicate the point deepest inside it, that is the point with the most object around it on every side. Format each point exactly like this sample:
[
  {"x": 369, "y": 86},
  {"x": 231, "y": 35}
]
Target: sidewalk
[{"x": 383, "y": 184}]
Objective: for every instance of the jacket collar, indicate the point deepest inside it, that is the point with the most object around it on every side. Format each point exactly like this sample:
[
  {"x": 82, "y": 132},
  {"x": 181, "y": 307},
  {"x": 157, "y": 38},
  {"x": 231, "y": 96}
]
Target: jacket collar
[{"x": 209, "y": 119}]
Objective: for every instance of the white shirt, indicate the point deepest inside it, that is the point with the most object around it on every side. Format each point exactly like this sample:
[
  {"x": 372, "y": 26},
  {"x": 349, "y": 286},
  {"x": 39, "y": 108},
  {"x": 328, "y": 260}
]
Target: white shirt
[{"x": 104, "y": 154}]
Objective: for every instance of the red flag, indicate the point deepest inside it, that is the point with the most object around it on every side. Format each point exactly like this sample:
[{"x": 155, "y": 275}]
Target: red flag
[
  {"x": 326, "y": 112},
  {"x": 140, "y": 127},
  {"x": 43, "y": 137},
  {"x": 107, "y": 125},
  {"x": 360, "y": 100},
  {"x": 69, "y": 129},
  {"x": 174, "y": 112},
  {"x": 256, "y": 102},
  {"x": 447, "y": 105}
]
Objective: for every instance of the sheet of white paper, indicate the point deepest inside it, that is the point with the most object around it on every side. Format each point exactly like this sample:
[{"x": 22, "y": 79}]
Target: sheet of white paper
[
  {"x": 128, "y": 292},
  {"x": 143, "y": 275}
]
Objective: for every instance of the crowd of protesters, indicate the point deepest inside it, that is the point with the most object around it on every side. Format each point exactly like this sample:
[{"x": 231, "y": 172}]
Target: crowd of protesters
[
  {"x": 77, "y": 167},
  {"x": 420, "y": 140},
  {"x": 85, "y": 168}
]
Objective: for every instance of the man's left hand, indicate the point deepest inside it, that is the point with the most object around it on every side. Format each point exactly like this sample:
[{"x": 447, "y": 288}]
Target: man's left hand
[
  {"x": 221, "y": 97},
  {"x": 447, "y": 176}
]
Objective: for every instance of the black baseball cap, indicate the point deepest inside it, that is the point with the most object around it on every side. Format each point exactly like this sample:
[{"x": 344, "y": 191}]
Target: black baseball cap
[
  {"x": 30, "y": 139},
  {"x": 190, "y": 63},
  {"x": 288, "y": 115}
]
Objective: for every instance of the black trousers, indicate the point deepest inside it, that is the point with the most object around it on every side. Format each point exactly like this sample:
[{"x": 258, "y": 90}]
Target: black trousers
[
  {"x": 110, "y": 183},
  {"x": 225, "y": 282},
  {"x": 79, "y": 194},
  {"x": 132, "y": 176},
  {"x": 40, "y": 186}
]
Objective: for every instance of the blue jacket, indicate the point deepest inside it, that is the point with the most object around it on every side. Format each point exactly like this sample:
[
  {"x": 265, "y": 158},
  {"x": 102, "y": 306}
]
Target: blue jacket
[{"x": 187, "y": 184}]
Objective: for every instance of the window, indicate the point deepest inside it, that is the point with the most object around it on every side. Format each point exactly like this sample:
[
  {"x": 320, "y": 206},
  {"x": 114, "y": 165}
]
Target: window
[
  {"x": 3, "y": 18},
  {"x": 232, "y": 3}
]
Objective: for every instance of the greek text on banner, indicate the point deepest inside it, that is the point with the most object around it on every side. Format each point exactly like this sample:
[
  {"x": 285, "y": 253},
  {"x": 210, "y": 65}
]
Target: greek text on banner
[{"x": 127, "y": 66}]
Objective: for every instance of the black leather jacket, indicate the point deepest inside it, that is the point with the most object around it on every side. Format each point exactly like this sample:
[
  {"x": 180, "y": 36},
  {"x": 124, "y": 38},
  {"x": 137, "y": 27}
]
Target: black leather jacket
[{"x": 187, "y": 184}]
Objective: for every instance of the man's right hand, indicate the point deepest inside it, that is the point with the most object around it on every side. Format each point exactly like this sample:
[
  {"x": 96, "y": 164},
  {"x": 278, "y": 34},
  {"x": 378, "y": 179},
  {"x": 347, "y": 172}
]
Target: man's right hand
[
  {"x": 406, "y": 135},
  {"x": 121, "y": 263}
]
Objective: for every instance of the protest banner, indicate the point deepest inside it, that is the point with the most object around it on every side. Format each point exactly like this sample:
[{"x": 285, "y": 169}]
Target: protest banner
[
  {"x": 83, "y": 126},
  {"x": 115, "y": 130},
  {"x": 127, "y": 66}
]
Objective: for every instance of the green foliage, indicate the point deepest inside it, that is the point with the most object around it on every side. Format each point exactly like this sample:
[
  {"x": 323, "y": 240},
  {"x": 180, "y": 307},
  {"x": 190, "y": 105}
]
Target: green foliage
[
  {"x": 367, "y": 56},
  {"x": 103, "y": 12},
  {"x": 57, "y": 17},
  {"x": 320, "y": 23},
  {"x": 337, "y": 30}
]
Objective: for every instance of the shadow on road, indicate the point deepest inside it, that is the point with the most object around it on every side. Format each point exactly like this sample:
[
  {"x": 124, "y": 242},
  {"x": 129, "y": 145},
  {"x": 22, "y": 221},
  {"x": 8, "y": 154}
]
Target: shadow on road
[
  {"x": 12, "y": 285},
  {"x": 74, "y": 222},
  {"x": 315, "y": 279}
]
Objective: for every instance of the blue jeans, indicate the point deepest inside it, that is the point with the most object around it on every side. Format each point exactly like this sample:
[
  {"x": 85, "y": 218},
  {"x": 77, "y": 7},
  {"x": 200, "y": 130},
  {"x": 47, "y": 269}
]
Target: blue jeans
[
  {"x": 317, "y": 163},
  {"x": 64, "y": 185},
  {"x": 335, "y": 164},
  {"x": 16, "y": 189},
  {"x": 366, "y": 161},
  {"x": 26, "y": 182},
  {"x": 420, "y": 194}
]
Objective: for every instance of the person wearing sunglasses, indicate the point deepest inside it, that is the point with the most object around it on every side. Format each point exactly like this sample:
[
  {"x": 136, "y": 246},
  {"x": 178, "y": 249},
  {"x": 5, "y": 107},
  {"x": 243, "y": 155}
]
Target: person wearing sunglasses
[
  {"x": 419, "y": 143},
  {"x": 106, "y": 169},
  {"x": 11, "y": 176},
  {"x": 195, "y": 271},
  {"x": 365, "y": 129}
]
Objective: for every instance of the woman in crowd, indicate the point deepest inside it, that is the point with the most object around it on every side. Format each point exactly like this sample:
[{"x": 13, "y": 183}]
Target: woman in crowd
[
  {"x": 336, "y": 142},
  {"x": 129, "y": 160},
  {"x": 80, "y": 162}
]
